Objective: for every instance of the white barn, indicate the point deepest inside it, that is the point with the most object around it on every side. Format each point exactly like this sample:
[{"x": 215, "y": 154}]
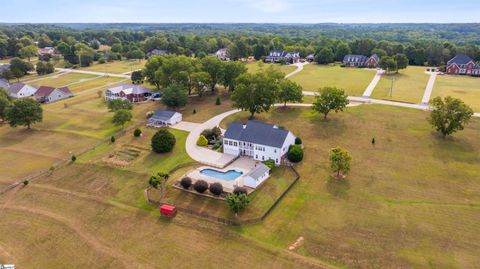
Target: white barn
[
  {"x": 164, "y": 118},
  {"x": 21, "y": 90},
  {"x": 259, "y": 140},
  {"x": 256, "y": 176}
]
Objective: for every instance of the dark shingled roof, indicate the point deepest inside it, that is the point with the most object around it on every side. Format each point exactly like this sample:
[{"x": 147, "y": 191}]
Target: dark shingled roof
[
  {"x": 460, "y": 59},
  {"x": 259, "y": 170},
  {"x": 44, "y": 91},
  {"x": 163, "y": 115},
  {"x": 257, "y": 133}
]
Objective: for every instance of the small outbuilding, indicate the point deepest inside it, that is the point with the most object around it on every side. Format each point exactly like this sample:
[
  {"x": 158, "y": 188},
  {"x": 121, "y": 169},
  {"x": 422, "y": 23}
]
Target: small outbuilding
[
  {"x": 168, "y": 211},
  {"x": 163, "y": 118},
  {"x": 256, "y": 176}
]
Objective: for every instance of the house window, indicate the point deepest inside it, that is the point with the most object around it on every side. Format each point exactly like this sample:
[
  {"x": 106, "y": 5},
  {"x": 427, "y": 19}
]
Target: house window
[
  {"x": 275, "y": 150},
  {"x": 256, "y": 156},
  {"x": 263, "y": 158}
]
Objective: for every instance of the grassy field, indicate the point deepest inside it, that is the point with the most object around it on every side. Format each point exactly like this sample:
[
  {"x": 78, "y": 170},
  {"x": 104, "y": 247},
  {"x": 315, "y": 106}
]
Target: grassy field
[
  {"x": 64, "y": 131},
  {"x": 117, "y": 67},
  {"x": 100, "y": 83},
  {"x": 463, "y": 87},
  {"x": 409, "y": 85},
  {"x": 353, "y": 80},
  {"x": 412, "y": 201},
  {"x": 256, "y": 66},
  {"x": 62, "y": 79}
]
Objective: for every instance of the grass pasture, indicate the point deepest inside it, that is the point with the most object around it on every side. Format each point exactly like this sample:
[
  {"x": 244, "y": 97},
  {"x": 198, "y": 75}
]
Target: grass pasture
[
  {"x": 463, "y": 87},
  {"x": 100, "y": 83},
  {"x": 412, "y": 201},
  {"x": 409, "y": 85},
  {"x": 116, "y": 67},
  {"x": 353, "y": 80},
  {"x": 63, "y": 79}
]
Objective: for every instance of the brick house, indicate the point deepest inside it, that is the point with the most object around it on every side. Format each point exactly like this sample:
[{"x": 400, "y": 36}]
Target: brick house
[
  {"x": 130, "y": 92},
  {"x": 462, "y": 64},
  {"x": 352, "y": 60},
  {"x": 277, "y": 56}
]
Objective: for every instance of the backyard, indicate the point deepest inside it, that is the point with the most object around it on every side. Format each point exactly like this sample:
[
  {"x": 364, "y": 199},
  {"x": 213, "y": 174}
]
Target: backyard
[
  {"x": 116, "y": 67},
  {"x": 256, "y": 66},
  {"x": 463, "y": 87},
  {"x": 408, "y": 85},
  {"x": 353, "y": 80}
]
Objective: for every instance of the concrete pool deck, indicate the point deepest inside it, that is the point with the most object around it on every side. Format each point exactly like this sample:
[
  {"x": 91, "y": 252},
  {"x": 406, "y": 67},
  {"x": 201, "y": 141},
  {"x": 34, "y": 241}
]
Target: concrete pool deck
[{"x": 242, "y": 164}]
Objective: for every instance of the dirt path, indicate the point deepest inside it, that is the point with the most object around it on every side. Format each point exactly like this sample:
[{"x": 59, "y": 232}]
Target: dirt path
[{"x": 92, "y": 240}]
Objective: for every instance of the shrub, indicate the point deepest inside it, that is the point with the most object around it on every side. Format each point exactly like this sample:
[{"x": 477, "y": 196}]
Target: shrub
[
  {"x": 295, "y": 154},
  {"x": 200, "y": 186},
  {"x": 186, "y": 182},
  {"x": 25, "y": 182},
  {"x": 298, "y": 141},
  {"x": 74, "y": 158},
  {"x": 216, "y": 189},
  {"x": 239, "y": 190},
  {"x": 112, "y": 139},
  {"x": 102, "y": 60},
  {"x": 163, "y": 141},
  {"x": 202, "y": 141},
  {"x": 137, "y": 132},
  {"x": 119, "y": 104},
  {"x": 269, "y": 163},
  {"x": 237, "y": 202},
  {"x": 194, "y": 111},
  {"x": 218, "y": 102}
]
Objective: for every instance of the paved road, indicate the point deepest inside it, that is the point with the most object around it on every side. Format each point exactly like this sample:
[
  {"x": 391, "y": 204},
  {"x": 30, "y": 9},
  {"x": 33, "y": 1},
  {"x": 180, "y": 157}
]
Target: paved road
[
  {"x": 374, "y": 83},
  {"x": 92, "y": 73},
  {"x": 298, "y": 70},
  {"x": 429, "y": 88}
]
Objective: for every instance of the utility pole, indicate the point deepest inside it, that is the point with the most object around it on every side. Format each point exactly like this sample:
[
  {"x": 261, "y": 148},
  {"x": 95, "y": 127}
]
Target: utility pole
[{"x": 391, "y": 87}]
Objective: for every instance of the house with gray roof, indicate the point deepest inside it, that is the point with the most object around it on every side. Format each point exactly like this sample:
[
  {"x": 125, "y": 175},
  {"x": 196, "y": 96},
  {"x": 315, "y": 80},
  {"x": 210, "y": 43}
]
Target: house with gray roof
[
  {"x": 352, "y": 60},
  {"x": 163, "y": 117},
  {"x": 259, "y": 140},
  {"x": 277, "y": 56},
  {"x": 21, "y": 90},
  {"x": 156, "y": 52},
  {"x": 462, "y": 64},
  {"x": 46, "y": 94},
  {"x": 256, "y": 176}
]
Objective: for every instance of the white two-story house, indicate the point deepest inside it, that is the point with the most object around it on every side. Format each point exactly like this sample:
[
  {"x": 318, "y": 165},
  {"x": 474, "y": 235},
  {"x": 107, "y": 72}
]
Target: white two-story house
[{"x": 259, "y": 140}]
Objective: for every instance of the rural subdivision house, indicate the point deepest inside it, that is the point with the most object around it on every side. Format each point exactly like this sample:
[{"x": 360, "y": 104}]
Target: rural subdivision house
[
  {"x": 462, "y": 64},
  {"x": 47, "y": 51},
  {"x": 21, "y": 90},
  {"x": 222, "y": 54},
  {"x": 130, "y": 92},
  {"x": 277, "y": 56},
  {"x": 46, "y": 94},
  {"x": 310, "y": 58},
  {"x": 259, "y": 140},
  {"x": 352, "y": 60},
  {"x": 156, "y": 52},
  {"x": 163, "y": 117}
]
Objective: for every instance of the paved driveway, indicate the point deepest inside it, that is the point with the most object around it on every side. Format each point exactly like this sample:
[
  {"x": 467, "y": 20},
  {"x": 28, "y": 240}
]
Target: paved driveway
[{"x": 186, "y": 126}]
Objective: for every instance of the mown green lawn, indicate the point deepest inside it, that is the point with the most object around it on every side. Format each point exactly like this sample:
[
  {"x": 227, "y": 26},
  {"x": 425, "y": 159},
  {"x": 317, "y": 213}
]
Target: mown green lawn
[
  {"x": 116, "y": 67},
  {"x": 353, "y": 80},
  {"x": 410, "y": 201},
  {"x": 408, "y": 85},
  {"x": 463, "y": 87},
  {"x": 63, "y": 79}
]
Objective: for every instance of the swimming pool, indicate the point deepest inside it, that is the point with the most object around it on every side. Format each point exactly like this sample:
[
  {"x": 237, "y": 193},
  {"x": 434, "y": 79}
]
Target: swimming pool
[{"x": 229, "y": 175}]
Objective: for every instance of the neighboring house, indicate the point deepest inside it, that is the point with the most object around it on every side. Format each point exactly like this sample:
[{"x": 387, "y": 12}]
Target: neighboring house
[
  {"x": 130, "y": 92},
  {"x": 352, "y": 60},
  {"x": 277, "y": 56},
  {"x": 47, "y": 50},
  {"x": 46, "y": 94},
  {"x": 164, "y": 118},
  {"x": 222, "y": 54},
  {"x": 3, "y": 68},
  {"x": 156, "y": 52},
  {"x": 310, "y": 58},
  {"x": 4, "y": 84},
  {"x": 256, "y": 176},
  {"x": 462, "y": 65},
  {"x": 259, "y": 140},
  {"x": 21, "y": 90}
]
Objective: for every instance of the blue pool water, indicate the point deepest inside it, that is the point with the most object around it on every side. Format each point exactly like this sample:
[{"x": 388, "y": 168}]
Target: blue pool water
[{"x": 228, "y": 175}]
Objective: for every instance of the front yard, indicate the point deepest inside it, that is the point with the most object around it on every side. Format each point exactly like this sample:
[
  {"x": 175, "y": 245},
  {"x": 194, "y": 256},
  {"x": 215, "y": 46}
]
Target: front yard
[{"x": 463, "y": 87}]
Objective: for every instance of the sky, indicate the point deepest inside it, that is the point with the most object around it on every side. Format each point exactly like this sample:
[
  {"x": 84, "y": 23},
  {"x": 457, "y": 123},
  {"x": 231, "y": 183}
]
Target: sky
[{"x": 231, "y": 11}]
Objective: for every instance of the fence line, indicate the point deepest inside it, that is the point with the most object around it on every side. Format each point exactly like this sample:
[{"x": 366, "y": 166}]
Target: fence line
[{"x": 232, "y": 221}]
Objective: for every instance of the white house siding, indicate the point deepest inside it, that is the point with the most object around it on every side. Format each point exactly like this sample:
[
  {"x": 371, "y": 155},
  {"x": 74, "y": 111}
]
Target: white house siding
[
  {"x": 57, "y": 95},
  {"x": 230, "y": 148},
  {"x": 254, "y": 183}
]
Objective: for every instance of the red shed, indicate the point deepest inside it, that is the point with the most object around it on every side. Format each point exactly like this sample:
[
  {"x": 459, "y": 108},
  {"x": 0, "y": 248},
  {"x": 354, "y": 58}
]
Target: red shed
[{"x": 168, "y": 210}]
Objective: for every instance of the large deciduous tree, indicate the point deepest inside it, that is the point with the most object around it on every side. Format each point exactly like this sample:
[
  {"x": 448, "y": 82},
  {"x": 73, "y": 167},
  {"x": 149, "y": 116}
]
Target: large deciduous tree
[
  {"x": 402, "y": 61},
  {"x": 449, "y": 115},
  {"x": 237, "y": 202},
  {"x": 231, "y": 71},
  {"x": 24, "y": 112},
  {"x": 174, "y": 96},
  {"x": 324, "y": 56},
  {"x": 289, "y": 91},
  {"x": 214, "y": 67},
  {"x": 28, "y": 52},
  {"x": 328, "y": 99},
  {"x": 121, "y": 117}
]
